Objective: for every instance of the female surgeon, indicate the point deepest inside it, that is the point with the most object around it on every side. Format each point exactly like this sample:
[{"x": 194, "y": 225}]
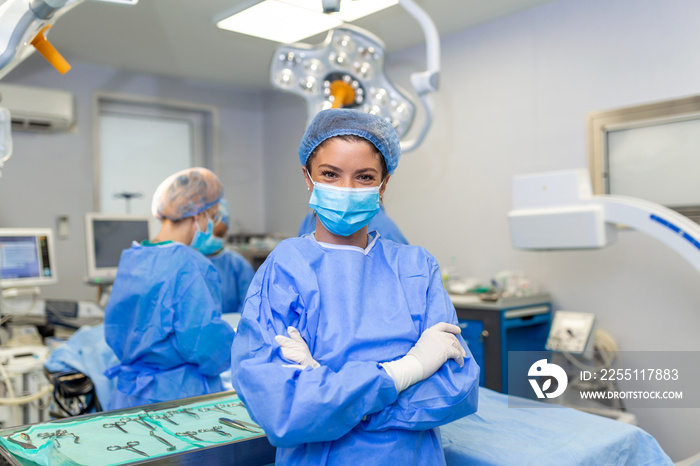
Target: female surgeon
[
  {"x": 347, "y": 351},
  {"x": 163, "y": 318}
]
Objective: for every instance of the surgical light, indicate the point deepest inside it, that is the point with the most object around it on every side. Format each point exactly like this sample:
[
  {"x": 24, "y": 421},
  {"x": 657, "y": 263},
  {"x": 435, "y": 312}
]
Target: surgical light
[{"x": 347, "y": 70}]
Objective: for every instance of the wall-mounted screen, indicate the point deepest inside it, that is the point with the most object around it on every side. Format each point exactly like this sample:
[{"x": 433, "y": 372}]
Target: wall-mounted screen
[
  {"x": 106, "y": 236},
  {"x": 26, "y": 257}
]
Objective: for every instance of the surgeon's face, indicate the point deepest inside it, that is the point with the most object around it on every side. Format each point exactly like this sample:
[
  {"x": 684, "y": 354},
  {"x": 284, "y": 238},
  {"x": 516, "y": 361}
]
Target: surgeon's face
[{"x": 347, "y": 164}]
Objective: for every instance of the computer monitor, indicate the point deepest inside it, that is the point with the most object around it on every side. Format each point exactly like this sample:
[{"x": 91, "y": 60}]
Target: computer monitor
[
  {"x": 26, "y": 257},
  {"x": 106, "y": 236}
]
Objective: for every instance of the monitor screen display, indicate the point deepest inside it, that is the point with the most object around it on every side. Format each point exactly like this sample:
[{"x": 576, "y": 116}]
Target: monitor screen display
[
  {"x": 26, "y": 257},
  {"x": 107, "y": 236}
]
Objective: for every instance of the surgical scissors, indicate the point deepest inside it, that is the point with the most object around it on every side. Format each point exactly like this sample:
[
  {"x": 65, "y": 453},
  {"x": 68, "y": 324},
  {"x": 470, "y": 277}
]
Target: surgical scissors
[
  {"x": 116, "y": 424},
  {"x": 129, "y": 446}
]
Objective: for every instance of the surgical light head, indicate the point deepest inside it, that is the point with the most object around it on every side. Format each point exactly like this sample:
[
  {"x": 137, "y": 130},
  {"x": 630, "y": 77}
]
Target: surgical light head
[
  {"x": 186, "y": 194},
  {"x": 344, "y": 71},
  {"x": 338, "y": 122}
]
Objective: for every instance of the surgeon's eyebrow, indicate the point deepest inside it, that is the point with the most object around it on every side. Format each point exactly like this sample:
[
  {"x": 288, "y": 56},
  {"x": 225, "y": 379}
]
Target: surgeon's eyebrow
[
  {"x": 367, "y": 170},
  {"x": 327, "y": 166}
]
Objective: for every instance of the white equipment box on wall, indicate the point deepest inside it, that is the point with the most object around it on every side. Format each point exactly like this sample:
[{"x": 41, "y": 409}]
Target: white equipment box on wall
[{"x": 38, "y": 109}]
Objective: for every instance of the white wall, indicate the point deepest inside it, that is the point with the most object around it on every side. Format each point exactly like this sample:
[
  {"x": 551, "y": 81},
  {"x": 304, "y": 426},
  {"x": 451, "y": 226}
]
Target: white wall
[
  {"x": 51, "y": 174},
  {"x": 514, "y": 97}
]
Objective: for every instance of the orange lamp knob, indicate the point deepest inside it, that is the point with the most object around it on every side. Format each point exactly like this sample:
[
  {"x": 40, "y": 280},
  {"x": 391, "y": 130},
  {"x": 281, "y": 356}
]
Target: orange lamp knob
[
  {"x": 342, "y": 92},
  {"x": 41, "y": 43}
]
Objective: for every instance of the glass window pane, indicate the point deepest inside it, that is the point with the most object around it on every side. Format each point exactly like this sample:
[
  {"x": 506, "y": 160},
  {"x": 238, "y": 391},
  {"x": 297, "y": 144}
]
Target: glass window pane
[
  {"x": 658, "y": 163},
  {"x": 136, "y": 154}
]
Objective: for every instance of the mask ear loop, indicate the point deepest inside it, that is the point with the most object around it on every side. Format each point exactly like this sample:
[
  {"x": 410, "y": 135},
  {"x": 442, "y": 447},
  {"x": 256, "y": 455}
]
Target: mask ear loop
[
  {"x": 381, "y": 195},
  {"x": 306, "y": 174}
]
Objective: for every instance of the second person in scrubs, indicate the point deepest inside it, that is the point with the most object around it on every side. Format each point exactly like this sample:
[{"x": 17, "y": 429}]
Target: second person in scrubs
[{"x": 163, "y": 318}]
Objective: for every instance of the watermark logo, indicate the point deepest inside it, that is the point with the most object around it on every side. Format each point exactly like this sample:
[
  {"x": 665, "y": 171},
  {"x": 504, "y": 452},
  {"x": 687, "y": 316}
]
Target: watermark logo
[{"x": 542, "y": 368}]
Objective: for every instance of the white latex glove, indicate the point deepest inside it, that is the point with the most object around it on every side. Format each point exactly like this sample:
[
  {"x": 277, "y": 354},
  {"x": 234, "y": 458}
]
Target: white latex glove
[
  {"x": 295, "y": 348},
  {"x": 435, "y": 346}
]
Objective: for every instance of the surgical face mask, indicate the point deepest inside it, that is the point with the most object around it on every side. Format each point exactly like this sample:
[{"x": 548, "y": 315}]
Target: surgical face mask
[
  {"x": 205, "y": 241},
  {"x": 343, "y": 211}
]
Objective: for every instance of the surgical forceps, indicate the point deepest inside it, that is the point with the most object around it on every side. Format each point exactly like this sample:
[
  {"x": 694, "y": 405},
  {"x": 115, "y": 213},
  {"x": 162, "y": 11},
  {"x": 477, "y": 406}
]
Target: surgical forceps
[
  {"x": 129, "y": 446},
  {"x": 241, "y": 425},
  {"x": 171, "y": 447}
]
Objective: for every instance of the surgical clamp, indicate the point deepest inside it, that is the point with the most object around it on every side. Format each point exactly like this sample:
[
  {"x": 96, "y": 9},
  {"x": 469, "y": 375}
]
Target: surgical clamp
[
  {"x": 129, "y": 446},
  {"x": 232, "y": 405},
  {"x": 58, "y": 434},
  {"x": 140, "y": 419},
  {"x": 187, "y": 411},
  {"x": 216, "y": 429},
  {"x": 190, "y": 433},
  {"x": 117, "y": 424},
  {"x": 165, "y": 417},
  {"x": 217, "y": 407}
]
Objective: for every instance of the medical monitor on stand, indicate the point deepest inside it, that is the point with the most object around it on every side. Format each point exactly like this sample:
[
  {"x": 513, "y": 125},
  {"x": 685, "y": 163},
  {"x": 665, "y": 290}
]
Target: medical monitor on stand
[
  {"x": 26, "y": 260},
  {"x": 106, "y": 236}
]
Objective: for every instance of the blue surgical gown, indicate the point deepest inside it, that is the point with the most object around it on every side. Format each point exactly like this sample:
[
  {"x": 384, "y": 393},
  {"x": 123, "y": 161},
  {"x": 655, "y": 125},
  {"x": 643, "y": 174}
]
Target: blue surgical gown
[
  {"x": 236, "y": 273},
  {"x": 381, "y": 222},
  {"x": 355, "y": 308},
  {"x": 163, "y": 321}
]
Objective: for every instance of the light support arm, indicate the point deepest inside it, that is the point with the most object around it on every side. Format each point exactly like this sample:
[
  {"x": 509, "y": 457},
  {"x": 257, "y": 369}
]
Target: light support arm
[{"x": 428, "y": 81}]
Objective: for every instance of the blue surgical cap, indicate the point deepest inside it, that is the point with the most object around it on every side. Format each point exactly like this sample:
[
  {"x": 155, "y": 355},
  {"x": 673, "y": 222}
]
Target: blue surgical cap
[
  {"x": 225, "y": 212},
  {"x": 186, "y": 193},
  {"x": 338, "y": 121}
]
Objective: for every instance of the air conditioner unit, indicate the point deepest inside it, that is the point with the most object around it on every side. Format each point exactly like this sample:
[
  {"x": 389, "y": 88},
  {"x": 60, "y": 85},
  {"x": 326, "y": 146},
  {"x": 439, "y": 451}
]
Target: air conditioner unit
[{"x": 38, "y": 109}]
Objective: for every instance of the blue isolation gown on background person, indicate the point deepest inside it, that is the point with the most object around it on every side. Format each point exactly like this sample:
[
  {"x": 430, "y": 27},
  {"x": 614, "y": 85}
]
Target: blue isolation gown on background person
[
  {"x": 163, "y": 321},
  {"x": 355, "y": 308},
  {"x": 381, "y": 222},
  {"x": 236, "y": 273}
]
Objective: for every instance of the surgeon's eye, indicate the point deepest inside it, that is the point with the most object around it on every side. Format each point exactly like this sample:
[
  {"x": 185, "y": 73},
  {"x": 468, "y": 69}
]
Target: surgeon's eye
[
  {"x": 366, "y": 178},
  {"x": 329, "y": 174}
]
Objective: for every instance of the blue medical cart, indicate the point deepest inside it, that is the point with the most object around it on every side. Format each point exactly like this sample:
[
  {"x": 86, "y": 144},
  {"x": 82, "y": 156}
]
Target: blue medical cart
[{"x": 491, "y": 329}]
